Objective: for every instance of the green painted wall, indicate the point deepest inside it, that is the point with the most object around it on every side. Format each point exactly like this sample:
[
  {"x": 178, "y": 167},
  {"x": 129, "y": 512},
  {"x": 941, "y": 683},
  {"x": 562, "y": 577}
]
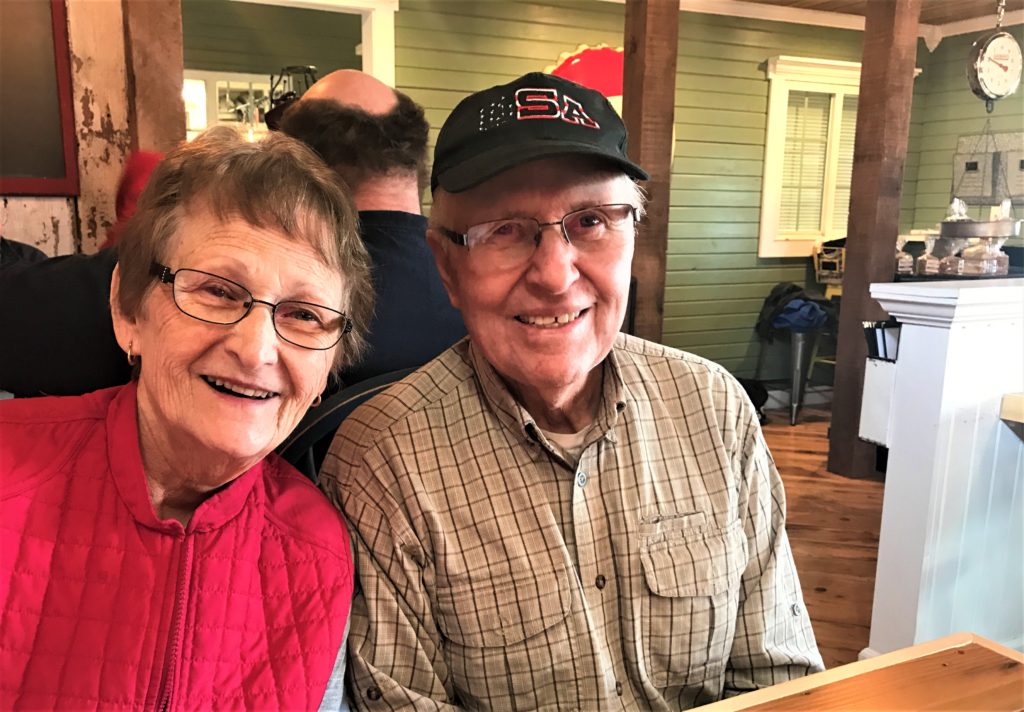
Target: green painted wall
[
  {"x": 946, "y": 111},
  {"x": 445, "y": 50},
  {"x": 716, "y": 282},
  {"x": 221, "y": 35}
]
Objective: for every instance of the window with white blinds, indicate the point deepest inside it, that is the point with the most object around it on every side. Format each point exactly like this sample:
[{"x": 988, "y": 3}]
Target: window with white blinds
[
  {"x": 812, "y": 120},
  {"x": 804, "y": 161},
  {"x": 844, "y": 169}
]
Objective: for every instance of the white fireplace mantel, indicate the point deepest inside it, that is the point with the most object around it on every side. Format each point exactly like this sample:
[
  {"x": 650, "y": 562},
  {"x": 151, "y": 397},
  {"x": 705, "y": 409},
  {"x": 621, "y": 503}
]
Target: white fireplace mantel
[
  {"x": 951, "y": 549},
  {"x": 943, "y": 303}
]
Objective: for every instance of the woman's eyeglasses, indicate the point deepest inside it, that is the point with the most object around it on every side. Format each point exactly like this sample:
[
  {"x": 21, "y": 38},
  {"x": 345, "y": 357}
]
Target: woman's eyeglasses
[{"x": 218, "y": 300}]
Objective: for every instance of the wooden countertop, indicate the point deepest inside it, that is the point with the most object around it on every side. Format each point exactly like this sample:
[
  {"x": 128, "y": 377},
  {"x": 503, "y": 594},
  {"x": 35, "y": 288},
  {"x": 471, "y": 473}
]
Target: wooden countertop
[
  {"x": 1012, "y": 407},
  {"x": 958, "y": 672}
]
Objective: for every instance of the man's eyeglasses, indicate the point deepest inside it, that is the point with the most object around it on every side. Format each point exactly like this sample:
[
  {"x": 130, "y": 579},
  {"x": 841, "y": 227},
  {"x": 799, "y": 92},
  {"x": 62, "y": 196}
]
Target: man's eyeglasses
[
  {"x": 511, "y": 242},
  {"x": 218, "y": 300}
]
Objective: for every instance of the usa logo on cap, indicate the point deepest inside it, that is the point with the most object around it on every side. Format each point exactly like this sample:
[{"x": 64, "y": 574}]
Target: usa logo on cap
[{"x": 535, "y": 103}]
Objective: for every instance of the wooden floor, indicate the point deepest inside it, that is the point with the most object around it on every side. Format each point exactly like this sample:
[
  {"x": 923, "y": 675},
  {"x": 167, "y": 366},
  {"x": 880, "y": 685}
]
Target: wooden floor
[{"x": 833, "y": 527}]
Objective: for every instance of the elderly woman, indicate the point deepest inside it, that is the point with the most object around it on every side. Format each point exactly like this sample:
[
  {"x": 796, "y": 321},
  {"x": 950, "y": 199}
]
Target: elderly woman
[{"x": 155, "y": 554}]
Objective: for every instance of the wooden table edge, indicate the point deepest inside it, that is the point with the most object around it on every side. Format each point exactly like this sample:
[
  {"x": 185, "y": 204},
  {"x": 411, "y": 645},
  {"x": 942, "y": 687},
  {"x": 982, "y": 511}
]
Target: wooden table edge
[{"x": 845, "y": 672}]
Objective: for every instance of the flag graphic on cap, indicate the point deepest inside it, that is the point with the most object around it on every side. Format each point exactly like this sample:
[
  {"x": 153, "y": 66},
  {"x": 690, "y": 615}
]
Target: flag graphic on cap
[{"x": 497, "y": 113}]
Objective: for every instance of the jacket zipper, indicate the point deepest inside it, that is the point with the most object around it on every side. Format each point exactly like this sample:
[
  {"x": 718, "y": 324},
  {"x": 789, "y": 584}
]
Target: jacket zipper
[{"x": 177, "y": 624}]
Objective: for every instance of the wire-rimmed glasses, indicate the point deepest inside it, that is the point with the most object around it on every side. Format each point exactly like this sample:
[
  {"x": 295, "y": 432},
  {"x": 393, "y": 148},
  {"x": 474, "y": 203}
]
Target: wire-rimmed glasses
[
  {"x": 218, "y": 300},
  {"x": 511, "y": 242}
]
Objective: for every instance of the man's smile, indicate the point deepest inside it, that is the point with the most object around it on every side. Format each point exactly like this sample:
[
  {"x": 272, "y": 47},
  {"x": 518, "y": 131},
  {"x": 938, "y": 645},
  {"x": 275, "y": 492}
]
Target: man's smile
[{"x": 552, "y": 321}]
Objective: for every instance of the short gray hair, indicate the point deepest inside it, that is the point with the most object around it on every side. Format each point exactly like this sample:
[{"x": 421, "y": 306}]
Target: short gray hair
[{"x": 275, "y": 183}]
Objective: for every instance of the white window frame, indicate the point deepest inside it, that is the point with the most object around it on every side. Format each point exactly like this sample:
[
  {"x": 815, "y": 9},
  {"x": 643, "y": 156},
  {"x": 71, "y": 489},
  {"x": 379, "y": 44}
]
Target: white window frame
[
  {"x": 378, "y": 29},
  {"x": 786, "y": 74}
]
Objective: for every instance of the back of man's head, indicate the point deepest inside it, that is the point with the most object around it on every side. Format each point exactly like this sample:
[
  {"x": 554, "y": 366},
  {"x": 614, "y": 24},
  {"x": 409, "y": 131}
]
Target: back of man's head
[
  {"x": 355, "y": 89},
  {"x": 361, "y": 127}
]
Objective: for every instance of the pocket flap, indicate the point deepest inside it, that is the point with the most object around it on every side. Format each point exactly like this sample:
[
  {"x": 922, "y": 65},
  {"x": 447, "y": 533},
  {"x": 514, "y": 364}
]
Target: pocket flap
[
  {"x": 491, "y": 612},
  {"x": 704, "y": 565}
]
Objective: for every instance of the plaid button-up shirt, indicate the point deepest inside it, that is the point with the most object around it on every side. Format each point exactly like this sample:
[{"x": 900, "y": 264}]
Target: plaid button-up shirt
[{"x": 655, "y": 573}]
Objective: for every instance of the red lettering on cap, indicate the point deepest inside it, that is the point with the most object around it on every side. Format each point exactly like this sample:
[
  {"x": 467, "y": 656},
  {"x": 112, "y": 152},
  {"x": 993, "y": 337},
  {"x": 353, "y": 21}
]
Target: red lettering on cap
[
  {"x": 573, "y": 113},
  {"x": 536, "y": 104},
  {"x": 543, "y": 104}
]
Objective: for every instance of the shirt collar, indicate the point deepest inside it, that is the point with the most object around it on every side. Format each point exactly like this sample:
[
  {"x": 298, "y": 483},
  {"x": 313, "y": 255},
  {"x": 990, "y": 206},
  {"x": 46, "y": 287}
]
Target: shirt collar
[
  {"x": 125, "y": 460},
  {"x": 515, "y": 417}
]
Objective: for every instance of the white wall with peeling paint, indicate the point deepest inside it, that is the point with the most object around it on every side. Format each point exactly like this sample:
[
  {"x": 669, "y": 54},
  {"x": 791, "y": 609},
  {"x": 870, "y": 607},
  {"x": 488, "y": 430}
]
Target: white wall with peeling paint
[
  {"x": 99, "y": 88},
  {"x": 46, "y": 223}
]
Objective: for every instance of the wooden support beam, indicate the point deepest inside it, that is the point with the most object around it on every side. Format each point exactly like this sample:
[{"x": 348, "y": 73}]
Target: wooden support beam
[
  {"x": 155, "y": 67},
  {"x": 648, "y": 100},
  {"x": 879, "y": 155}
]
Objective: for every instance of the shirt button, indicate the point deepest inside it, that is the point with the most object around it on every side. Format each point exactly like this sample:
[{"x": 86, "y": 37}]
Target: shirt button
[
  {"x": 581, "y": 479},
  {"x": 795, "y": 609},
  {"x": 373, "y": 694},
  {"x": 618, "y": 689},
  {"x": 600, "y": 581}
]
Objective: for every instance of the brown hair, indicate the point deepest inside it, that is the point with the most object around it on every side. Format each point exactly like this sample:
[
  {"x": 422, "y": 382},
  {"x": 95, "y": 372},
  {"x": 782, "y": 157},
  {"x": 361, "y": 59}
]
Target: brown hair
[
  {"x": 277, "y": 183},
  {"x": 359, "y": 145}
]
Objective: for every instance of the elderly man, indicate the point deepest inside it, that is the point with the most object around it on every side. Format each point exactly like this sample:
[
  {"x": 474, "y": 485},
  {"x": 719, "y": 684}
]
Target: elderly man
[
  {"x": 376, "y": 139},
  {"x": 553, "y": 515}
]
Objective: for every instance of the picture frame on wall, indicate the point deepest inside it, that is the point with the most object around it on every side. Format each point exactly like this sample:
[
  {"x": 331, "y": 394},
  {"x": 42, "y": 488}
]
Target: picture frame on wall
[{"x": 38, "y": 152}]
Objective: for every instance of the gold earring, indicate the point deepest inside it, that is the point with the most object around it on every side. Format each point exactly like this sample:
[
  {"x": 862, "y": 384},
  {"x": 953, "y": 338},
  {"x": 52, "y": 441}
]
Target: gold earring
[
  {"x": 316, "y": 401},
  {"x": 132, "y": 358}
]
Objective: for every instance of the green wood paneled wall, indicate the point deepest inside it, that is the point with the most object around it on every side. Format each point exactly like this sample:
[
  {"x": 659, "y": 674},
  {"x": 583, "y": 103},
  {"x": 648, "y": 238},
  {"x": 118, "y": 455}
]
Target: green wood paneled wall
[
  {"x": 716, "y": 282},
  {"x": 947, "y": 111},
  {"x": 221, "y": 35},
  {"x": 447, "y": 49}
]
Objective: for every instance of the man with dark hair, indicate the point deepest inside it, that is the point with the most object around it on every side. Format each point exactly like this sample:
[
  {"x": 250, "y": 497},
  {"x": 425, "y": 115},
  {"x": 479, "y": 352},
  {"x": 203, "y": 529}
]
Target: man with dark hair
[
  {"x": 375, "y": 138},
  {"x": 360, "y": 146}
]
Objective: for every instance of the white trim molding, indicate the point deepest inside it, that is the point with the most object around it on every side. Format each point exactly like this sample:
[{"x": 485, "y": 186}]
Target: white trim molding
[
  {"x": 939, "y": 304},
  {"x": 378, "y": 48},
  {"x": 980, "y": 24},
  {"x": 931, "y": 34},
  {"x": 378, "y": 29},
  {"x": 829, "y": 71},
  {"x": 774, "y": 13}
]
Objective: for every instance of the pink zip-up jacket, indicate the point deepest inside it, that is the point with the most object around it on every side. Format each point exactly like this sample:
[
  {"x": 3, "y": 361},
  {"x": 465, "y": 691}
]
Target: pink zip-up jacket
[{"x": 104, "y": 605}]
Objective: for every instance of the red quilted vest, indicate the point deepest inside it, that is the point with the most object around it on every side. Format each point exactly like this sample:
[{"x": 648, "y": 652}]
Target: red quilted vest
[{"x": 104, "y": 605}]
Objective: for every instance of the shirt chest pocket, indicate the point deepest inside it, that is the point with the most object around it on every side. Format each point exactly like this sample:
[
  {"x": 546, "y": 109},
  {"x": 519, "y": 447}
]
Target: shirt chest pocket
[
  {"x": 507, "y": 637},
  {"x": 689, "y": 615}
]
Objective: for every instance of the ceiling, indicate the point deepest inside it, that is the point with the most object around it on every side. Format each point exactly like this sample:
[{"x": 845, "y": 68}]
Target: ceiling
[{"x": 933, "y": 12}]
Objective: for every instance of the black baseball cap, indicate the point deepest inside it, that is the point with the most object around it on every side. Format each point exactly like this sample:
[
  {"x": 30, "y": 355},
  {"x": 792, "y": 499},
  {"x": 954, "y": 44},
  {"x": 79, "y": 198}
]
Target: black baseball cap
[{"x": 535, "y": 116}]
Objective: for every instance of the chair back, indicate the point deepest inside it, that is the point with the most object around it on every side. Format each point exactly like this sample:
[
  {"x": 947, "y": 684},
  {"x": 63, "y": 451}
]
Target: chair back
[{"x": 306, "y": 447}]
